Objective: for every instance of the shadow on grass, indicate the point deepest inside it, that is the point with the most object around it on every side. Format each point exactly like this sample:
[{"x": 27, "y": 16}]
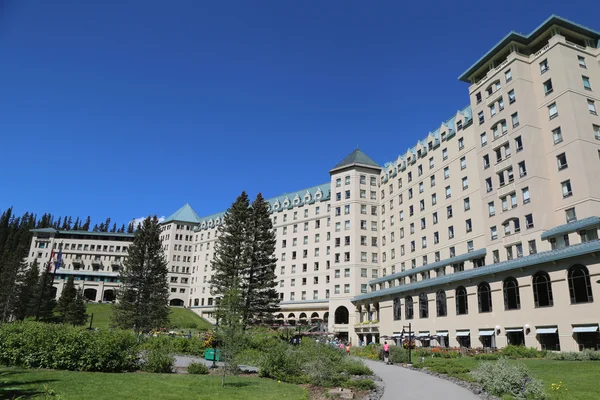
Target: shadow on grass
[
  {"x": 238, "y": 384},
  {"x": 13, "y": 389}
]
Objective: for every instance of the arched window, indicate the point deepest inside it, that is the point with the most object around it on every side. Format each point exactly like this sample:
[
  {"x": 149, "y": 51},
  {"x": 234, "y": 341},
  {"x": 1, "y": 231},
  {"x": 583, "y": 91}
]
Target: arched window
[
  {"x": 484, "y": 297},
  {"x": 580, "y": 288},
  {"x": 408, "y": 307},
  {"x": 423, "y": 306},
  {"x": 512, "y": 300},
  {"x": 462, "y": 305},
  {"x": 397, "y": 309},
  {"x": 440, "y": 302},
  {"x": 542, "y": 290},
  {"x": 341, "y": 315}
]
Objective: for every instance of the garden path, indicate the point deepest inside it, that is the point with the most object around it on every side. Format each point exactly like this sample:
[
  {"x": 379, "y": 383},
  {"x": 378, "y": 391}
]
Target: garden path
[{"x": 402, "y": 383}]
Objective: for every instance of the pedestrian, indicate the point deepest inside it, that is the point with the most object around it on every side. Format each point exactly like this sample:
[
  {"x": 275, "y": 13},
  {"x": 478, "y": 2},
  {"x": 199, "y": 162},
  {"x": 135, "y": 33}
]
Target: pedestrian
[
  {"x": 348, "y": 349},
  {"x": 294, "y": 341},
  {"x": 386, "y": 352}
]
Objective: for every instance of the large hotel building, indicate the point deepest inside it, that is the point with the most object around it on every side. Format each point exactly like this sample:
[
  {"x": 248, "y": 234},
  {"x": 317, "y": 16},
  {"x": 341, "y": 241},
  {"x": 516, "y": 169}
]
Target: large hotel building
[{"x": 483, "y": 234}]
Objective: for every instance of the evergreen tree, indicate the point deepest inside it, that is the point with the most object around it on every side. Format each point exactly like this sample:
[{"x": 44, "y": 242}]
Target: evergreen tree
[
  {"x": 58, "y": 226},
  {"x": 114, "y": 228},
  {"x": 43, "y": 301},
  {"x": 86, "y": 225},
  {"x": 25, "y": 291},
  {"x": 76, "y": 314},
  {"x": 76, "y": 225},
  {"x": 144, "y": 295},
  {"x": 230, "y": 330},
  {"x": 130, "y": 228},
  {"x": 67, "y": 297},
  {"x": 106, "y": 225},
  {"x": 122, "y": 229},
  {"x": 96, "y": 229},
  {"x": 261, "y": 298},
  {"x": 69, "y": 222},
  {"x": 229, "y": 262}
]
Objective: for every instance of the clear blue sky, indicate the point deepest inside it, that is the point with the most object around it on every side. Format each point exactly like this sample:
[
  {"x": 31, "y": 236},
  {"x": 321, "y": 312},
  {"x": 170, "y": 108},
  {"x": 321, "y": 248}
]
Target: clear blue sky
[{"x": 127, "y": 108}]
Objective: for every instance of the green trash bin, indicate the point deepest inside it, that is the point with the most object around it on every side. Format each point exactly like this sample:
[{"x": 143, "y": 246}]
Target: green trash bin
[{"x": 209, "y": 354}]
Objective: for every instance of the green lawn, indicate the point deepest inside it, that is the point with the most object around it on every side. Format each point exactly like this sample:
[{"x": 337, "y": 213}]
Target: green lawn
[
  {"x": 579, "y": 377},
  {"x": 180, "y": 318},
  {"x": 68, "y": 385}
]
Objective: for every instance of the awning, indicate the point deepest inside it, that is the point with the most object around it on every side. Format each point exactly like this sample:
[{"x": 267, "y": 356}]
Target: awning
[
  {"x": 545, "y": 331},
  {"x": 444, "y": 333},
  {"x": 589, "y": 328},
  {"x": 511, "y": 330},
  {"x": 463, "y": 333},
  {"x": 424, "y": 334},
  {"x": 486, "y": 332}
]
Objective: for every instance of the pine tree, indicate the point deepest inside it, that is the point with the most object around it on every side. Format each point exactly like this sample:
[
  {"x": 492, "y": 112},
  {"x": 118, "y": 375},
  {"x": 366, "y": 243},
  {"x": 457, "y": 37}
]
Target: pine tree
[
  {"x": 96, "y": 229},
  {"x": 25, "y": 291},
  {"x": 69, "y": 222},
  {"x": 261, "y": 298},
  {"x": 58, "y": 224},
  {"x": 144, "y": 295},
  {"x": 86, "y": 225},
  {"x": 76, "y": 225},
  {"x": 76, "y": 314},
  {"x": 230, "y": 330},
  {"x": 106, "y": 225},
  {"x": 229, "y": 262},
  {"x": 67, "y": 297},
  {"x": 43, "y": 301},
  {"x": 114, "y": 228},
  {"x": 130, "y": 227},
  {"x": 122, "y": 229}
]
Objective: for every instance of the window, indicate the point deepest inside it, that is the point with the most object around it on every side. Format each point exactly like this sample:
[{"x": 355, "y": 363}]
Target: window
[
  {"x": 508, "y": 76},
  {"x": 463, "y": 163},
  {"x": 441, "y": 304},
  {"x": 465, "y": 183},
  {"x": 586, "y": 83},
  {"x": 511, "y": 97},
  {"x": 431, "y": 164},
  {"x": 552, "y": 111},
  {"x": 450, "y": 232},
  {"x": 532, "y": 247},
  {"x": 462, "y": 304},
  {"x": 469, "y": 225},
  {"x": 461, "y": 143},
  {"x": 467, "y": 204},
  {"x": 500, "y": 104},
  {"x": 566, "y": 188},
  {"x": 581, "y": 61},
  {"x": 484, "y": 297},
  {"x": 408, "y": 307},
  {"x": 544, "y": 66},
  {"x": 515, "y": 120},
  {"x": 478, "y": 97},
  {"x": 557, "y": 135},
  {"x": 486, "y": 161},
  {"x": 529, "y": 221},
  {"x": 491, "y": 209},
  {"x": 363, "y": 180},
  {"x": 580, "y": 288},
  {"x": 522, "y": 169},
  {"x": 526, "y": 197},
  {"x": 435, "y": 218},
  {"x": 570, "y": 214},
  {"x": 423, "y": 306},
  {"x": 596, "y": 130},
  {"x": 561, "y": 160},
  {"x": 512, "y": 299},
  {"x": 493, "y": 233},
  {"x": 448, "y": 192},
  {"x": 548, "y": 87},
  {"x": 591, "y": 107},
  {"x": 542, "y": 290},
  {"x": 519, "y": 143},
  {"x": 446, "y": 172},
  {"x": 481, "y": 117},
  {"x": 444, "y": 154},
  {"x": 483, "y": 139}
]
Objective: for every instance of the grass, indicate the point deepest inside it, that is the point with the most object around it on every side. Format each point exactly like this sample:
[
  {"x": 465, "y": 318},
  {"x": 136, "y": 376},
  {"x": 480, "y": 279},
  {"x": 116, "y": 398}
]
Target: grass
[
  {"x": 579, "y": 377},
  {"x": 87, "y": 385},
  {"x": 181, "y": 318}
]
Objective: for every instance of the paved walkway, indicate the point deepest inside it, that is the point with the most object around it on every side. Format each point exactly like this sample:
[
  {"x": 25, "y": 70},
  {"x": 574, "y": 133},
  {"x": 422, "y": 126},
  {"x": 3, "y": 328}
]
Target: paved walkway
[
  {"x": 402, "y": 383},
  {"x": 182, "y": 361}
]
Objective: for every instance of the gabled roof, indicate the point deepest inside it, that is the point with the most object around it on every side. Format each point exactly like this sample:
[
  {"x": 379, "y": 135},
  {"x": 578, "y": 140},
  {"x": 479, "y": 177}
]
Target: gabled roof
[
  {"x": 571, "y": 227},
  {"x": 505, "y": 266},
  {"x": 357, "y": 157},
  {"x": 87, "y": 233},
  {"x": 527, "y": 39},
  {"x": 184, "y": 214}
]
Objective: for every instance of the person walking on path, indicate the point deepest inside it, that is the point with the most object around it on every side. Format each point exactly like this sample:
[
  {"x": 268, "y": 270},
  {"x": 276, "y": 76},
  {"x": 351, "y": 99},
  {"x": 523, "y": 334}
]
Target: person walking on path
[{"x": 386, "y": 352}]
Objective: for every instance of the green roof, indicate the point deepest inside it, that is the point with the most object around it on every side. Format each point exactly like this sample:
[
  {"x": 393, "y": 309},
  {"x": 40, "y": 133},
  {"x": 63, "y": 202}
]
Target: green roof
[
  {"x": 488, "y": 270},
  {"x": 571, "y": 227},
  {"x": 89, "y": 233},
  {"x": 357, "y": 157},
  {"x": 528, "y": 39},
  {"x": 184, "y": 214}
]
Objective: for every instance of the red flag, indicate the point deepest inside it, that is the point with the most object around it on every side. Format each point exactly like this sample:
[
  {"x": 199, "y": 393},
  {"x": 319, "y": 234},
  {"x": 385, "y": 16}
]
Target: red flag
[{"x": 50, "y": 261}]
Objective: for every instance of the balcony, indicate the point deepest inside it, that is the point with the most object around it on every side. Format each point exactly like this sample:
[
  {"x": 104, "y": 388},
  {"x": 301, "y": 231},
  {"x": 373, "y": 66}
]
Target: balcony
[
  {"x": 97, "y": 262},
  {"x": 506, "y": 189}
]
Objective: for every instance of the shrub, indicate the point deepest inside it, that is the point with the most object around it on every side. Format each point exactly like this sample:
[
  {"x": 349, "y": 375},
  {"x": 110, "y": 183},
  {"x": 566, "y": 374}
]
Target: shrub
[
  {"x": 197, "y": 368},
  {"x": 487, "y": 356},
  {"x": 279, "y": 363},
  {"x": 249, "y": 357},
  {"x": 398, "y": 355},
  {"x": 40, "y": 345},
  {"x": 585, "y": 355},
  {"x": 504, "y": 377},
  {"x": 360, "y": 384},
  {"x": 515, "y": 352},
  {"x": 181, "y": 345},
  {"x": 159, "y": 360},
  {"x": 355, "y": 367},
  {"x": 370, "y": 352}
]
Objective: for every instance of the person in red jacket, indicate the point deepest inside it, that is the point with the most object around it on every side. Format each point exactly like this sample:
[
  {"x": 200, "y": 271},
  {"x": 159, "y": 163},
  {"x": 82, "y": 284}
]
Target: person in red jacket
[{"x": 386, "y": 352}]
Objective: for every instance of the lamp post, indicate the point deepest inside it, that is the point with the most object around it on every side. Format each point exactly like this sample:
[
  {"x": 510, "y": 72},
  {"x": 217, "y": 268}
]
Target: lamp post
[
  {"x": 409, "y": 342},
  {"x": 214, "y": 344}
]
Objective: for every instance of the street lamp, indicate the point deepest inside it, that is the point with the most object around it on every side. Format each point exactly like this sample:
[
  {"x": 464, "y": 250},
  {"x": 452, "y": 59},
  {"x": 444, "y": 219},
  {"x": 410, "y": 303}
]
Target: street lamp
[{"x": 409, "y": 342}]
